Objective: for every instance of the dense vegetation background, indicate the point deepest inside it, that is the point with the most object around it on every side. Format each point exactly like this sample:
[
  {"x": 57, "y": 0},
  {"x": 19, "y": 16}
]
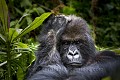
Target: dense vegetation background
[{"x": 17, "y": 48}]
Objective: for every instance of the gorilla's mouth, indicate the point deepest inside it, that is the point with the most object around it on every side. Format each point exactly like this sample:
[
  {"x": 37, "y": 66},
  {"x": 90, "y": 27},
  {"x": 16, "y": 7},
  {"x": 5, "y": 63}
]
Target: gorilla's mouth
[{"x": 75, "y": 64}]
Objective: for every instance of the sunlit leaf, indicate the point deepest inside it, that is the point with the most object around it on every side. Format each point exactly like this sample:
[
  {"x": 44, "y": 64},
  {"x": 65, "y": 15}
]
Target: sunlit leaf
[
  {"x": 36, "y": 23},
  {"x": 22, "y": 45}
]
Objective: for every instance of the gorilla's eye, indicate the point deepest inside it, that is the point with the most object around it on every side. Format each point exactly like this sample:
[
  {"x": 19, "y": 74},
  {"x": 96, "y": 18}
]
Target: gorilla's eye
[
  {"x": 79, "y": 42},
  {"x": 65, "y": 42}
]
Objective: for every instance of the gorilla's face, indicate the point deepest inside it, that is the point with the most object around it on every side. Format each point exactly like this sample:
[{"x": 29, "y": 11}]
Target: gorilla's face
[
  {"x": 73, "y": 52},
  {"x": 75, "y": 44}
]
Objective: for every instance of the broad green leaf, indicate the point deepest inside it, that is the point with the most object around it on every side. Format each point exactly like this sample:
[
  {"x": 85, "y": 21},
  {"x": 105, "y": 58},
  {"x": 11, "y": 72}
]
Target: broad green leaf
[
  {"x": 13, "y": 33},
  {"x": 36, "y": 23},
  {"x": 3, "y": 16}
]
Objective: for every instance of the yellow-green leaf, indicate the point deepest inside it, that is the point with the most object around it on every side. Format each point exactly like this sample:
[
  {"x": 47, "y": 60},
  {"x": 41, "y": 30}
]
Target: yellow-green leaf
[{"x": 36, "y": 23}]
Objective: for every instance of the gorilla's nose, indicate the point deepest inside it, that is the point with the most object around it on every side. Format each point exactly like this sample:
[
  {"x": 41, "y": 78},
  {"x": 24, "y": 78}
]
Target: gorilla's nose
[{"x": 73, "y": 54}]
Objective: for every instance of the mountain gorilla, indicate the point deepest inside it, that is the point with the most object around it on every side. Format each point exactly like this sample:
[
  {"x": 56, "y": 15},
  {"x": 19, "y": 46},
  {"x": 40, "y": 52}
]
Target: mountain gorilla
[{"x": 67, "y": 52}]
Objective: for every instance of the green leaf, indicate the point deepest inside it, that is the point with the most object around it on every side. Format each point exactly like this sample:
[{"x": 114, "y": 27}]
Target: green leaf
[
  {"x": 3, "y": 16},
  {"x": 13, "y": 33},
  {"x": 18, "y": 25},
  {"x": 3, "y": 63},
  {"x": 21, "y": 68},
  {"x": 36, "y": 23},
  {"x": 69, "y": 10},
  {"x": 2, "y": 38},
  {"x": 2, "y": 53},
  {"x": 20, "y": 73},
  {"x": 32, "y": 57},
  {"x": 25, "y": 3},
  {"x": 22, "y": 45}
]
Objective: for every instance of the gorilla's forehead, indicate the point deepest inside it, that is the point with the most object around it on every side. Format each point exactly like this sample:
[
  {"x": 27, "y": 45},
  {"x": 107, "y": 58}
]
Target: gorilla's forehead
[
  {"x": 76, "y": 28},
  {"x": 72, "y": 37}
]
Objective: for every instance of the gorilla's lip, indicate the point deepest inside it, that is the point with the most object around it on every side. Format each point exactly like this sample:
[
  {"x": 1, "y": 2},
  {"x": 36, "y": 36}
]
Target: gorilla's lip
[{"x": 75, "y": 64}]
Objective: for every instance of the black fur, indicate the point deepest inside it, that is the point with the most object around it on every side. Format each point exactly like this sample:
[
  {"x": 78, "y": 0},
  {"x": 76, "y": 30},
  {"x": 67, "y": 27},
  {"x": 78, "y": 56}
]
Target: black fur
[{"x": 51, "y": 62}]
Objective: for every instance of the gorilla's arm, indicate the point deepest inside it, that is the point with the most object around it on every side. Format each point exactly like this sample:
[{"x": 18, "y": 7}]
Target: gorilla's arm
[
  {"x": 50, "y": 72},
  {"x": 103, "y": 65}
]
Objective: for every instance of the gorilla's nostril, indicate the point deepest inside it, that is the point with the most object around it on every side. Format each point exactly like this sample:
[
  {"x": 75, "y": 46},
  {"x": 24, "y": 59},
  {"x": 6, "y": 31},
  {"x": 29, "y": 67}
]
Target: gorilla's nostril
[
  {"x": 70, "y": 54},
  {"x": 76, "y": 53}
]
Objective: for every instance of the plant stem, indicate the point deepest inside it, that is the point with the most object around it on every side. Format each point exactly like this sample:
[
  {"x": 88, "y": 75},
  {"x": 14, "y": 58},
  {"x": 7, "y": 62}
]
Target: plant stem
[{"x": 8, "y": 61}]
